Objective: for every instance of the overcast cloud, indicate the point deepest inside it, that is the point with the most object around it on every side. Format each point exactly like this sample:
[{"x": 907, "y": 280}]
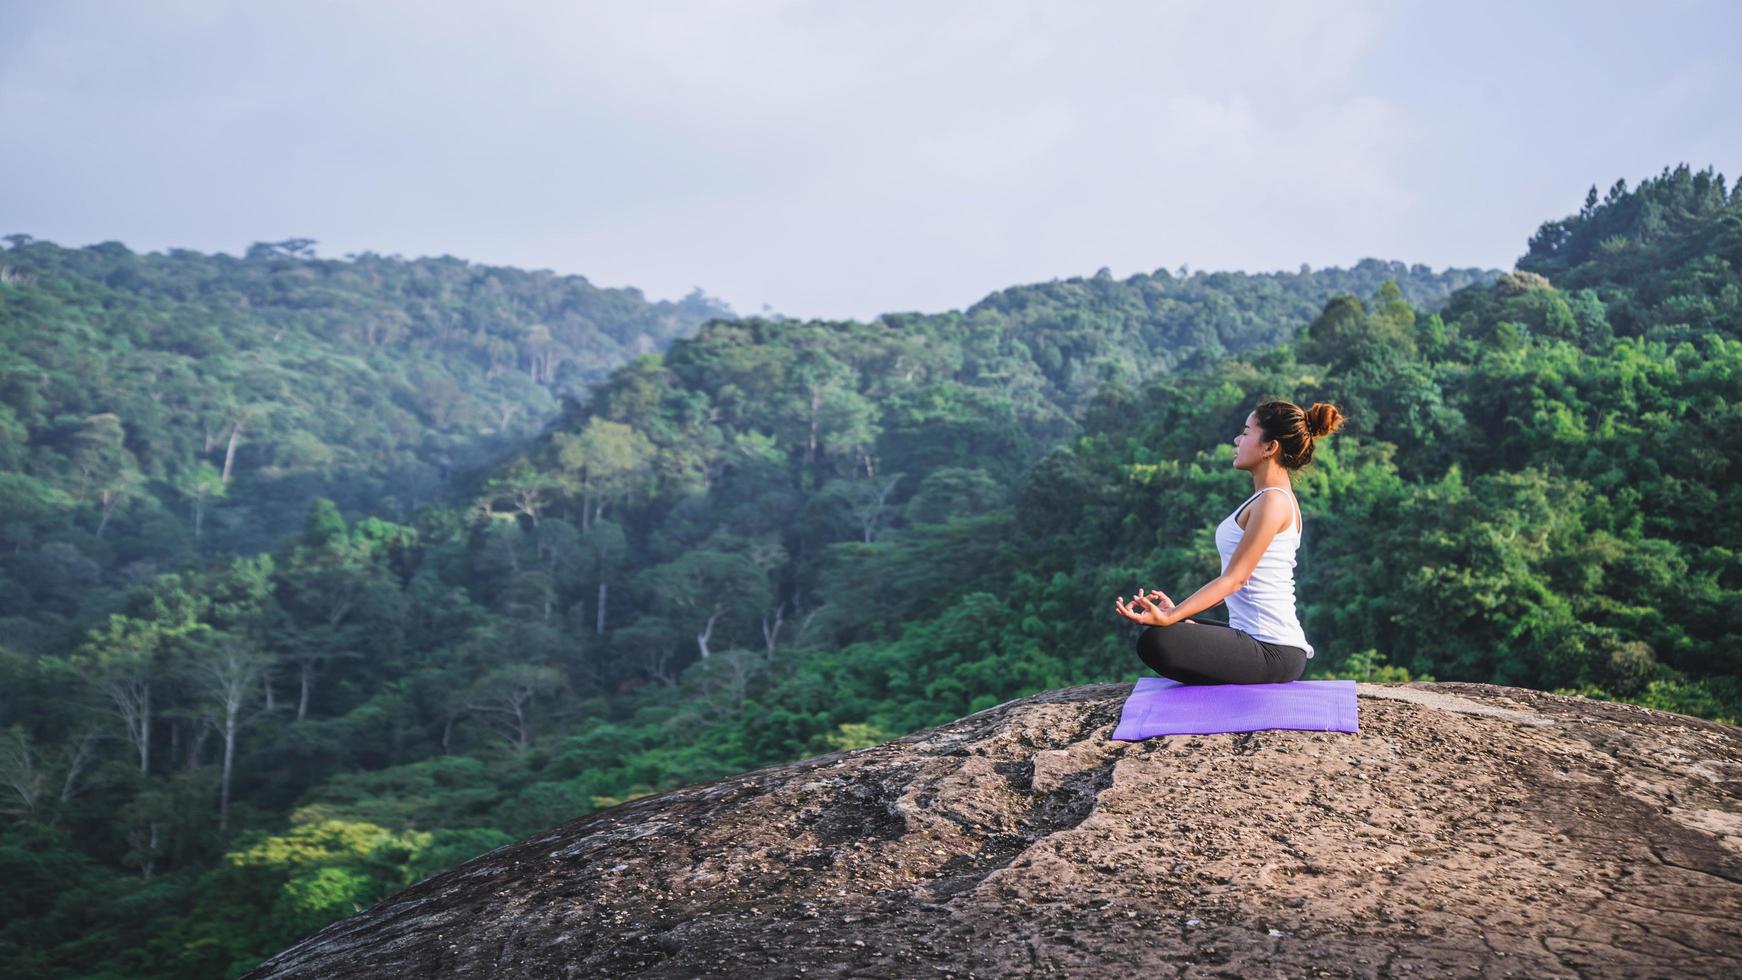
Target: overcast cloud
[{"x": 845, "y": 159}]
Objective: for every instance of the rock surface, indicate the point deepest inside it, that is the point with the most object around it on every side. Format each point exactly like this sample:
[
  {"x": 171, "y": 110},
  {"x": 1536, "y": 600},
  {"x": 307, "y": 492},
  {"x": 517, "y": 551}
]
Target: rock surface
[{"x": 1467, "y": 830}]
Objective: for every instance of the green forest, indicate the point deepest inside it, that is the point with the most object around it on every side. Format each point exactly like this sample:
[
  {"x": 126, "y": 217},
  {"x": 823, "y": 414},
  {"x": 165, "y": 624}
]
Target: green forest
[{"x": 321, "y": 576}]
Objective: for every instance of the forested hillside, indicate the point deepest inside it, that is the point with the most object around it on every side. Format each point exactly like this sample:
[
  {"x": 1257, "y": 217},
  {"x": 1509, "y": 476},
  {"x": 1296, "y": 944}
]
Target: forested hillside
[
  {"x": 166, "y": 403},
  {"x": 780, "y": 537}
]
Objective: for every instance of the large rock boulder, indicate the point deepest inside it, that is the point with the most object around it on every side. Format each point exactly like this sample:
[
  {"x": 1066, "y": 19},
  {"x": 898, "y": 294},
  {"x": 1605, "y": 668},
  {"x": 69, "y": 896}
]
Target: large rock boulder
[{"x": 1467, "y": 830}]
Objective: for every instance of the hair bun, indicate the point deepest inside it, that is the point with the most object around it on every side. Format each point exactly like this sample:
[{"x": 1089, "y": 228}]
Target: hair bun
[{"x": 1323, "y": 419}]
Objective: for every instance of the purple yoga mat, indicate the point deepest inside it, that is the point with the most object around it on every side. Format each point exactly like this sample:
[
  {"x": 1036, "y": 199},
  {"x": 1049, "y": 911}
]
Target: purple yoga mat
[{"x": 1163, "y": 706}]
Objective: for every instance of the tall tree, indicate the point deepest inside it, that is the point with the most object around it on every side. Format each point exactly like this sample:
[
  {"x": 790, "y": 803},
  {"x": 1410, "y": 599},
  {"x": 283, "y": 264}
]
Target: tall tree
[
  {"x": 506, "y": 696},
  {"x": 127, "y": 655},
  {"x": 228, "y": 667}
]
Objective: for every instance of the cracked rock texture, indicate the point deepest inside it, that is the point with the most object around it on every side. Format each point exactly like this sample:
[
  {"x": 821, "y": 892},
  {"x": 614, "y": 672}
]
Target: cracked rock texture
[{"x": 1467, "y": 830}]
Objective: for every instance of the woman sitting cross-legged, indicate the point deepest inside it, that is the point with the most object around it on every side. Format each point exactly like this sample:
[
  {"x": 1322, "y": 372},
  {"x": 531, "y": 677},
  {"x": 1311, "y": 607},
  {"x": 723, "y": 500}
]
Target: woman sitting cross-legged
[{"x": 1262, "y": 642}]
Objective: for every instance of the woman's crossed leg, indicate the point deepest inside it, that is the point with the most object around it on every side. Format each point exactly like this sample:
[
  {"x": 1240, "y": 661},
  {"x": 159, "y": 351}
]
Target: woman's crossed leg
[{"x": 1199, "y": 652}]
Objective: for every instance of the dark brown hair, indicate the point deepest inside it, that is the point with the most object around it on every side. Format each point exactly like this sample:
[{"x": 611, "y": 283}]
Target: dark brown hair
[{"x": 1297, "y": 428}]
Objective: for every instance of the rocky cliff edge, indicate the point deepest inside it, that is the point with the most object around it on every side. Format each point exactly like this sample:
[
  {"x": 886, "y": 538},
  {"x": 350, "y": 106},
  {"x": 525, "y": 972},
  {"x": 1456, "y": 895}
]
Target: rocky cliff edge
[{"x": 1467, "y": 830}]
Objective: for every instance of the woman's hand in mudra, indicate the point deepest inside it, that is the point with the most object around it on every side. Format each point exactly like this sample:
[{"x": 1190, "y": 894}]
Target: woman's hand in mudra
[{"x": 1152, "y": 608}]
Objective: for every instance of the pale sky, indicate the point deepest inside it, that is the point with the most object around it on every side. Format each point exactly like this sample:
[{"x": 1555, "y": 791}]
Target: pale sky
[{"x": 844, "y": 159}]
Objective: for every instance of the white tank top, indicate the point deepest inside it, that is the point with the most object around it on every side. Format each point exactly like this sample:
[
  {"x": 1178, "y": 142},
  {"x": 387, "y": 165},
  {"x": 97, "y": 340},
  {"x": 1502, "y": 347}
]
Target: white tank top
[{"x": 1264, "y": 606}]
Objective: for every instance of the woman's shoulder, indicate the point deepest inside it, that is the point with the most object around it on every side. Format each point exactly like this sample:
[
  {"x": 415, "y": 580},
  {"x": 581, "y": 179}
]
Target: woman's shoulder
[{"x": 1273, "y": 507}]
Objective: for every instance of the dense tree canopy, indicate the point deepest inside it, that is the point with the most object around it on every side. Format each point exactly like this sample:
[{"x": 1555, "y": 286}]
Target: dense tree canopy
[
  {"x": 776, "y": 537},
  {"x": 207, "y": 398}
]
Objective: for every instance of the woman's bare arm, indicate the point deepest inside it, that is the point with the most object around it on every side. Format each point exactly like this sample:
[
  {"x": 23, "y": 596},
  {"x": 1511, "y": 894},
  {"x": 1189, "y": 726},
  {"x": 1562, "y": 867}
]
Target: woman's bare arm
[
  {"x": 1208, "y": 597},
  {"x": 1269, "y": 514}
]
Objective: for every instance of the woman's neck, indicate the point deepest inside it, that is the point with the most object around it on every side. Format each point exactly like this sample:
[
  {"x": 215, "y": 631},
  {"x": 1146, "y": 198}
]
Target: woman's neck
[{"x": 1269, "y": 474}]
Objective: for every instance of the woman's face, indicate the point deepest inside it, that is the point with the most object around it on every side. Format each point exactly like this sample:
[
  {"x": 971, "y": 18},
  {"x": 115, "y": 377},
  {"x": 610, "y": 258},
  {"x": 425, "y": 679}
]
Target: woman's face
[{"x": 1249, "y": 444}]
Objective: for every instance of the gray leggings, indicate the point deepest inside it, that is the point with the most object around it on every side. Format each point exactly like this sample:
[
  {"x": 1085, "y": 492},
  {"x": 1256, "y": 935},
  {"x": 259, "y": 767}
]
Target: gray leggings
[{"x": 1195, "y": 651}]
